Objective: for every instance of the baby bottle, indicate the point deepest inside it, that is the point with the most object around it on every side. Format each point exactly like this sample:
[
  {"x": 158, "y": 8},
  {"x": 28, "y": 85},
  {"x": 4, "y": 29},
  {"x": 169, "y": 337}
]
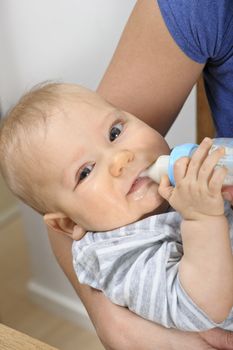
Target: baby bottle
[{"x": 165, "y": 164}]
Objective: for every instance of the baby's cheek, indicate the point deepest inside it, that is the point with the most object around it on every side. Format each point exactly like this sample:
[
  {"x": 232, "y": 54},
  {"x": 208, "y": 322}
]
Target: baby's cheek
[{"x": 113, "y": 218}]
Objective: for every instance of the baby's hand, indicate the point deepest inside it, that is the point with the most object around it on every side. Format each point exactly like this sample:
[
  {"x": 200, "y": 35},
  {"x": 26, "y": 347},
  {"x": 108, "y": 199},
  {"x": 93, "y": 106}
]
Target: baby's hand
[{"x": 197, "y": 193}]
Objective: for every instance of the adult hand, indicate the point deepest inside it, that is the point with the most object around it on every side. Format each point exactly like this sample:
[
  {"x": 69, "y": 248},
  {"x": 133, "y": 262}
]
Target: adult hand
[
  {"x": 219, "y": 338},
  {"x": 208, "y": 340}
]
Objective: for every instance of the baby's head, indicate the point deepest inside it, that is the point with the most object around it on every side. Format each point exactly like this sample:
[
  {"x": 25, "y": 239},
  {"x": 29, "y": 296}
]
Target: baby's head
[{"x": 76, "y": 159}]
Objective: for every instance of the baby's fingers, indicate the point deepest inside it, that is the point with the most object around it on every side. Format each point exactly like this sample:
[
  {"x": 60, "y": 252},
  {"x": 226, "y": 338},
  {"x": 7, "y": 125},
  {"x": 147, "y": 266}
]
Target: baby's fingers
[
  {"x": 208, "y": 166},
  {"x": 165, "y": 189},
  {"x": 180, "y": 168},
  {"x": 217, "y": 179},
  {"x": 198, "y": 158}
]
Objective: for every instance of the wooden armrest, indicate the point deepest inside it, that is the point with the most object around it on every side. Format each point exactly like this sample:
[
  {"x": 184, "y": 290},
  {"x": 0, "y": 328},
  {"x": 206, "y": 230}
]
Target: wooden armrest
[{"x": 11, "y": 339}]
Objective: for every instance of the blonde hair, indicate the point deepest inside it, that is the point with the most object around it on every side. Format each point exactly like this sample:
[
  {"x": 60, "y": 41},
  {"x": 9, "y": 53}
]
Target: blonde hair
[{"x": 28, "y": 118}]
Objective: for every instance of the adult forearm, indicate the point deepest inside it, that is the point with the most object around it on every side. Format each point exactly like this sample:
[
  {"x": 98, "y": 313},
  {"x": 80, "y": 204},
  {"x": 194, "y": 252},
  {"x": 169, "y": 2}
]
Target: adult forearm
[
  {"x": 120, "y": 329},
  {"x": 149, "y": 76},
  {"x": 206, "y": 269}
]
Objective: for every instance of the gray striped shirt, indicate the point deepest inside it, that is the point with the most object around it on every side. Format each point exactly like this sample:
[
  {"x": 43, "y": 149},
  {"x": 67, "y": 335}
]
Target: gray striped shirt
[{"x": 136, "y": 266}]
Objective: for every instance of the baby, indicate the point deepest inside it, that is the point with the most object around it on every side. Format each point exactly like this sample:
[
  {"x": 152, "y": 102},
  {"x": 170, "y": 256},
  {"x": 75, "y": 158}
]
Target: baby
[{"x": 78, "y": 160}]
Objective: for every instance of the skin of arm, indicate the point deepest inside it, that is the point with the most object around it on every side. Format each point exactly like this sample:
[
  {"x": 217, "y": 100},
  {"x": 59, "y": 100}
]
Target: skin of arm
[
  {"x": 150, "y": 77},
  {"x": 206, "y": 268}
]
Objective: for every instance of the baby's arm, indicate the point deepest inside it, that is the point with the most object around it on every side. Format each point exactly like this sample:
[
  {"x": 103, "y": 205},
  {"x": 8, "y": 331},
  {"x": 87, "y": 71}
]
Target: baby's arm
[{"x": 206, "y": 269}]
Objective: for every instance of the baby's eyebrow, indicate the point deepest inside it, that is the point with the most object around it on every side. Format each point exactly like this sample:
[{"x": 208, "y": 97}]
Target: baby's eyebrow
[{"x": 109, "y": 116}]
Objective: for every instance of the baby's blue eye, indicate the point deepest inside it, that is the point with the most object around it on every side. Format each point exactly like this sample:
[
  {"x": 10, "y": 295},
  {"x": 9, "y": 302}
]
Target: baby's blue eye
[
  {"x": 85, "y": 172},
  {"x": 115, "y": 131}
]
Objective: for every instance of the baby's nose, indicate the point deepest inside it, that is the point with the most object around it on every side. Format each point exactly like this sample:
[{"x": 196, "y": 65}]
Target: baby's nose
[{"x": 120, "y": 161}]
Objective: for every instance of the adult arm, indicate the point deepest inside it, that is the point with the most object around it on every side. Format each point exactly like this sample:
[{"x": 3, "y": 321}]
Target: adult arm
[{"x": 149, "y": 75}]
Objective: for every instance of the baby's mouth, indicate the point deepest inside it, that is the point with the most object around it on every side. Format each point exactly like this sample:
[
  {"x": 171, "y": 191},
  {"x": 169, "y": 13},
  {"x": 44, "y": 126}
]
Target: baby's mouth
[
  {"x": 138, "y": 187},
  {"x": 140, "y": 181}
]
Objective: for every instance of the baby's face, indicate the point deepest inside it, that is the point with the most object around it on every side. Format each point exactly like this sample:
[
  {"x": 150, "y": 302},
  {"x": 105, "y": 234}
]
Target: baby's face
[{"x": 95, "y": 155}]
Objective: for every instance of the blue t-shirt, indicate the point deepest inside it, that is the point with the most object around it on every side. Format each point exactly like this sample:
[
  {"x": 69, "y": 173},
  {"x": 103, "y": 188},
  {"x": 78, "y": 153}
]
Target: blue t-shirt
[{"x": 203, "y": 29}]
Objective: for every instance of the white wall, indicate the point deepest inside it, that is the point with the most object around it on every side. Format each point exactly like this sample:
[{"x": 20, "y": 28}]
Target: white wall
[{"x": 70, "y": 40}]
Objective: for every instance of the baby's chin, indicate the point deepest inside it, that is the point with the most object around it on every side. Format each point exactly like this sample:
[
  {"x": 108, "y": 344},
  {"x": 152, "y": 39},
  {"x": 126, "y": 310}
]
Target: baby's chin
[{"x": 162, "y": 208}]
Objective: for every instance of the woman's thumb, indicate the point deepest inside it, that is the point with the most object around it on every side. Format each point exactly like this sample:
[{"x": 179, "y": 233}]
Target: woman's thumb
[{"x": 219, "y": 338}]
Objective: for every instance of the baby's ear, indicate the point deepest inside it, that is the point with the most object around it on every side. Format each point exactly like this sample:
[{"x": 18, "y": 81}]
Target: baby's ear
[{"x": 61, "y": 223}]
